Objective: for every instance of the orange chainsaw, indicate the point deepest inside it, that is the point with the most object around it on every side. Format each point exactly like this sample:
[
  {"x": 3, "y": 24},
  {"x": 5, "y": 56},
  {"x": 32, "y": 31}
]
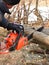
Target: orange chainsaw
[{"x": 14, "y": 41}]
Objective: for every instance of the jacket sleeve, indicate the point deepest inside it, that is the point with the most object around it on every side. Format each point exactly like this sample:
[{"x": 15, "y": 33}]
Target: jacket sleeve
[
  {"x": 10, "y": 26},
  {"x": 3, "y": 21}
]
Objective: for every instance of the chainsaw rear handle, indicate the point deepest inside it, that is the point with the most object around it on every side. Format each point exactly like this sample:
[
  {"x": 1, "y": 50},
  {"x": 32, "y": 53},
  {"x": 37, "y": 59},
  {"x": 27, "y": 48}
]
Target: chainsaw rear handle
[
  {"x": 15, "y": 44},
  {"x": 13, "y": 47}
]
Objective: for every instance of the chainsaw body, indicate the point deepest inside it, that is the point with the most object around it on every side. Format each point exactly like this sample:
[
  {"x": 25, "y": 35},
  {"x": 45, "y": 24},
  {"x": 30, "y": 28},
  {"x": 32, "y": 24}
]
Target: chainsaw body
[{"x": 11, "y": 40}]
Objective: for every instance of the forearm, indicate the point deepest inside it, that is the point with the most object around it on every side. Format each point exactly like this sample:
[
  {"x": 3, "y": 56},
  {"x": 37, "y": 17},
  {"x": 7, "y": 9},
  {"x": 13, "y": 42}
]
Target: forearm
[{"x": 11, "y": 26}]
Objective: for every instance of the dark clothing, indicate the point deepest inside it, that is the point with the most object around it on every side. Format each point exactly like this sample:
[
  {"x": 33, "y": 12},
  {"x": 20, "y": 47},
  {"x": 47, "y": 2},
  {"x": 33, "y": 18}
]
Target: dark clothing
[
  {"x": 0, "y": 0},
  {"x": 4, "y": 22},
  {"x": 3, "y": 8}
]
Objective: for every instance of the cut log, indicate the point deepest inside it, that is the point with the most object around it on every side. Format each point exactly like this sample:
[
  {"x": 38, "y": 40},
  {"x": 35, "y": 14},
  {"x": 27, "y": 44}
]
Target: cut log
[{"x": 39, "y": 36}]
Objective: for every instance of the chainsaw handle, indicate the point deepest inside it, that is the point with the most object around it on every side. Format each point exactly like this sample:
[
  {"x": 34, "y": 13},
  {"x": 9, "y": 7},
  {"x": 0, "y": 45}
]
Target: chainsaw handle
[{"x": 13, "y": 47}]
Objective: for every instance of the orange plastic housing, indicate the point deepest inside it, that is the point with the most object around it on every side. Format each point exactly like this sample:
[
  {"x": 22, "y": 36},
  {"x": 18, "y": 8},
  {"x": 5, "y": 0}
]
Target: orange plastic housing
[
  {"x": 10, "y": 40},
  {"x": 22, "y": 42}
]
